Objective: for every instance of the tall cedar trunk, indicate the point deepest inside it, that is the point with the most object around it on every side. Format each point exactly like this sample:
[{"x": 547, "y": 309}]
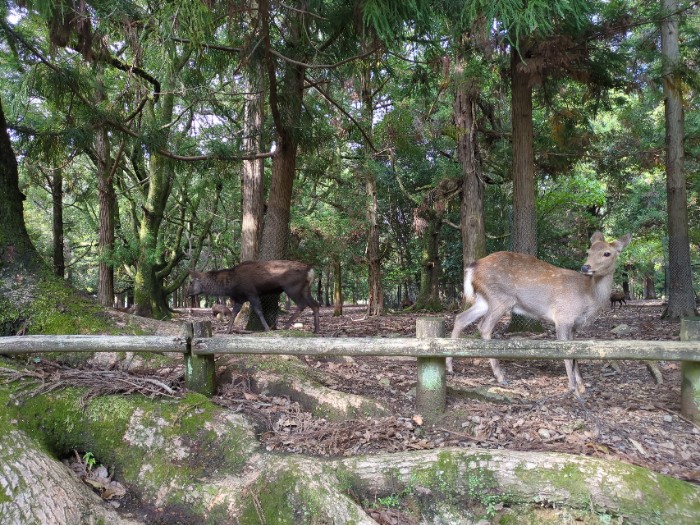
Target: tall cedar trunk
[
  {"x": 107, "y": 202},
  {"x": 681, "y": 297},
  {"x": 337, "y": 287},
  {"x": 524, "y": 235},
  {"x": 252, "y": 170},
  {"x": 472, "y": 205},
  {"x": 286, "y": 111},
  {"x": 59, "y": 263},
  {"x": 375, "y": 302},
  {"x": 524, "y": 232}
]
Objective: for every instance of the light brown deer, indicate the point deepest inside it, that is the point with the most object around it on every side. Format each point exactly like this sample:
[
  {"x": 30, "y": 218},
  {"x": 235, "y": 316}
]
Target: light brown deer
[{"x": 514, "y": 282}]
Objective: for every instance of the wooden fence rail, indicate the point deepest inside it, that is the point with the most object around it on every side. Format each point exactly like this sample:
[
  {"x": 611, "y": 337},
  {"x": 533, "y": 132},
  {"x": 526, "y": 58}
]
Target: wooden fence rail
[{"x": 199, "y": 349}]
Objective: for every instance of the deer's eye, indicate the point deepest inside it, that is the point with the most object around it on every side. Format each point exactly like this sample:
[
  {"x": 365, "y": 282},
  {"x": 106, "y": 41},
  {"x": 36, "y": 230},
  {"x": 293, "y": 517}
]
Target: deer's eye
[{"x": 606, "y": 254}]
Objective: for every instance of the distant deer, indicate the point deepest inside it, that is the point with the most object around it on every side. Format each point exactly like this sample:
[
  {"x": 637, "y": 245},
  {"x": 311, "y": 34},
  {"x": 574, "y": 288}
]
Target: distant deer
[
  {"x": 252, "y": 279},
  {"x": 508, "y": 281},
  {"x": 617, "y": 297}
]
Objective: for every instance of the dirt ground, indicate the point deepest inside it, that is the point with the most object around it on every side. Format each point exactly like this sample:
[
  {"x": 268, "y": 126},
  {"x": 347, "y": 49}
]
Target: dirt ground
[{"x": 625, "y": 415}]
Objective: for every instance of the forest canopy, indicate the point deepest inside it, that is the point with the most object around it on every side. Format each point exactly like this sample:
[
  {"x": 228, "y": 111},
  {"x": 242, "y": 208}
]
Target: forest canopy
[{"x": 382, "y": 142}]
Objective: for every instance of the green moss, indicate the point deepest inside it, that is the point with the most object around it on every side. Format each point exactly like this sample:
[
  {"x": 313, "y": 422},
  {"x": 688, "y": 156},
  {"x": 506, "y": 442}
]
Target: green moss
[
  {"x": 287, "y": 498},
  {"x": 151, "y": 443},
  {"x": 11, "y": 318}
]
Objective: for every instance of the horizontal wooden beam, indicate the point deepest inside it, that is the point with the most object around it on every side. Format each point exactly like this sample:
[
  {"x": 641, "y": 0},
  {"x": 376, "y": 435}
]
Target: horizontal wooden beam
[
  {"x": 359, "y": 346},
  {"x": 444, "y": 347},
  {"x": 91, "y": 343}
]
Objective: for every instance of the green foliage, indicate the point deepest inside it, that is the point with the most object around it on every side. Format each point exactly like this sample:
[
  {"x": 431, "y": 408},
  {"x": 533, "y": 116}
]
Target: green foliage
[{"x": 598, "y": 120}]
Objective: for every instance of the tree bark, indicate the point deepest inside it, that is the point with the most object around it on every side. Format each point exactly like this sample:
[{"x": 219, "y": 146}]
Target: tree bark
[
  {"x": 252, "y": 170},
  {"x": 472, "y": 204},
  {"x": 428, "y": 297},
  {"x": 286, "y": 107},
  {"x": 107, "y": 203},
  {"x": 524, "y": 236},
  {"x": 35, "y": 489},
  {"x": 149, "y": 296},
  {"x": 337, "y": 287},
  {"x": 59, "y": 262},
  {"x": 681, "y": 296},
  {"x": 375, "y": 301},
  {"x": 524, "y": 232},
  {"x": 15, "y": 245}
]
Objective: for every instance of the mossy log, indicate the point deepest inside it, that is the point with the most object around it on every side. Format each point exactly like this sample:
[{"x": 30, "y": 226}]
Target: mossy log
[{"x": 516, "y": 478}]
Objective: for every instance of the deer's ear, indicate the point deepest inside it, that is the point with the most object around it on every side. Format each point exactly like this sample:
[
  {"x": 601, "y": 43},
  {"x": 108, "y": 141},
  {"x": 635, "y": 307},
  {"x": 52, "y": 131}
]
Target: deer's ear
[
  {"x": 623, "y": 241},
  {"x": 597, "y": 236}
]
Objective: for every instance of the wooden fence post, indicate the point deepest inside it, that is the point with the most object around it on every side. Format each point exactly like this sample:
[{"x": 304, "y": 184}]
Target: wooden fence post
[
  {"x": 200, "y": 370},
  {"x": 431, "y": 389},
  {"x": 690, "y": 373}
]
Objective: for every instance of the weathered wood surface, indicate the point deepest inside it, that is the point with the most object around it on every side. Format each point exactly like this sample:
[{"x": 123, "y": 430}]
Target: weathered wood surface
[
  {"x": 444, "y": 347},
  {"x": 359, "y": 346},
  {"x": 91, "y": 343}
]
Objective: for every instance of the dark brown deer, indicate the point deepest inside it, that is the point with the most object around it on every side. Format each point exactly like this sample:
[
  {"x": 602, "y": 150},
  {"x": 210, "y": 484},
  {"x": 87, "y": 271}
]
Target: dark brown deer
[
  {"x": 508, "y": 281},
  {"x": 617, "y": 297},
  {"x": 249, "y": 280}
]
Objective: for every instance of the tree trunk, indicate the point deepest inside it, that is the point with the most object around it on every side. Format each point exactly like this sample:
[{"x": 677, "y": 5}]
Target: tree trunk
[
  {"x": 43, "y": 490},
  {"x": 285, "y": 107},
  {"x": 681, "y": 296},
  {"x": 19, "y": 260},
  {"x": 15, "y": 245},
  {"x": 472, "y": 205},
  {"x": 375, "y": 301},
  {"x": 107, "y": 203},
  {"x": 524, "y": 235},
  {"x": 428, "y": 296},
  {"x": 252, "y": 170},
  {"x": 59, "y": 262},
  {"x": 337, "y": 287},
  {"x": 149, "y": 295},
  {"x": 649, "y": 288}
]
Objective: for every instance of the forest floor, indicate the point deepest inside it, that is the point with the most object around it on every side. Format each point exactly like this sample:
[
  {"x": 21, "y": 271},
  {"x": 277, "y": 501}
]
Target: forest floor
[{"x": 625, "y": 414}]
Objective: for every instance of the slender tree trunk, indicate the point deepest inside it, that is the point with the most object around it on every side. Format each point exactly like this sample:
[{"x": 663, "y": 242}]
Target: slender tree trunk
[
  {"x": 252, "y": 170},
  {"x": 649, "y": 288},
  {"x": 375, "y": 302},
  {"x": 681, "y": 297},
  {"x": 428, "y": 296},
  {"x": 107, "y": 203},
  {"x": 59, "y": 263},
  {"x": 337, "y": 287},
  {"x": 472, "y": 203}
]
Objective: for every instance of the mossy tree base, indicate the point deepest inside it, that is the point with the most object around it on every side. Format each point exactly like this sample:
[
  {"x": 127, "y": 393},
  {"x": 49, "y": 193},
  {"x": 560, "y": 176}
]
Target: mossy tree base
[{"x": 188, "y": 453}]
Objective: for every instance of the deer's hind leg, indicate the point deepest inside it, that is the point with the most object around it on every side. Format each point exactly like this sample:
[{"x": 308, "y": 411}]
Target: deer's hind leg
[
  {"x": 486, "y": 326},
  {"x": 475, "y": 312}
]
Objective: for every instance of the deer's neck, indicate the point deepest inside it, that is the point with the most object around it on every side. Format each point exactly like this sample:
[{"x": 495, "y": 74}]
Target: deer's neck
[{"x": 601, "y": 288}]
